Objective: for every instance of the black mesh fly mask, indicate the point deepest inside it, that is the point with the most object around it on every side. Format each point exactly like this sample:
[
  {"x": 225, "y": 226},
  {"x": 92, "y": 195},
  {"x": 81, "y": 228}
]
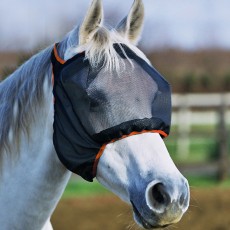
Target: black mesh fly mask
[{"x": 96, "y": 106}]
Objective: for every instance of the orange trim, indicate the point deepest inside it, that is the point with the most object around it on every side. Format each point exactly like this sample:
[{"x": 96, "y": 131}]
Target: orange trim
[
  {"x": 61, "y": 61},
  {"x": 52, "y": 79},
  {"x": 99, "y": 154}
]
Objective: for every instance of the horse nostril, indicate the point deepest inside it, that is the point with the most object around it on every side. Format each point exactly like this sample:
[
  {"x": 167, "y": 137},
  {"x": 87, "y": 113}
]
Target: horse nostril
[
  {"x": 160, "y": 196},
  {"x": 167, "y": 197},
  {"x": 181, "y": 199},
  {"x": 184, "y": 198}
]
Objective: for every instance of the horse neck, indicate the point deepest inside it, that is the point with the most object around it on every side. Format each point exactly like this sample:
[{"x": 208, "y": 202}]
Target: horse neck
[{"x": 32, "y": 183}]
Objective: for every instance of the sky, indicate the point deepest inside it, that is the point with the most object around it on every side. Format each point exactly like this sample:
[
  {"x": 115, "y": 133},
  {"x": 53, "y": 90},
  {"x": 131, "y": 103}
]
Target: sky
[{"x": 184, "y": 24}]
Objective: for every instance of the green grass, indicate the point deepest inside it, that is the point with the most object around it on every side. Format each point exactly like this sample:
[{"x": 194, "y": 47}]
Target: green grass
[
  {"x": 80, "y": 188},
  {"x": 200, "y": 150},
  {"x": 203, "y": 144},
  {"x": 207, "y": 182}
]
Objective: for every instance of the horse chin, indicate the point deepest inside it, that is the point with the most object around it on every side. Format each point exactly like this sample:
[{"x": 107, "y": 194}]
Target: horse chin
[
  {"x": 139, "y": 219},
  {"x": 142, "y": 222},
  {"x": 157, "y": 221}
]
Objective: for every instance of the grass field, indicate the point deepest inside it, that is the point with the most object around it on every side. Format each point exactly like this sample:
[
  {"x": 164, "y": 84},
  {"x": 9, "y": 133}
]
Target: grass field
[{"x": 80, "y": 188}]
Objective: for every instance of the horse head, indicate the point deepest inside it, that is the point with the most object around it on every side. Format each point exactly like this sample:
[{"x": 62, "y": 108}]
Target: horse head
[{"x": 128, "y": 113}]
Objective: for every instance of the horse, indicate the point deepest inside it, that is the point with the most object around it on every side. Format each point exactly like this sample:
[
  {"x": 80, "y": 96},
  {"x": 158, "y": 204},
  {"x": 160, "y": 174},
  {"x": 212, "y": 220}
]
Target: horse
[{"x": 137, "y": 168}]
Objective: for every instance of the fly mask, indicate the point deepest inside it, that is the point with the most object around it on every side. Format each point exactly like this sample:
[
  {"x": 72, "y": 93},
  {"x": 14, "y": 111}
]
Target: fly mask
[{"x": 97, "y": 106}]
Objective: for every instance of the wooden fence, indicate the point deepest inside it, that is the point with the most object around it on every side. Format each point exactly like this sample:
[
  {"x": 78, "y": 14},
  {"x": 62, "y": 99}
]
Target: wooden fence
[{"x": 202, "y": 109}]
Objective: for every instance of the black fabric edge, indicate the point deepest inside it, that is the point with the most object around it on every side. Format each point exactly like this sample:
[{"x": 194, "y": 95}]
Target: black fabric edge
[{"x": 128, "y": 127}]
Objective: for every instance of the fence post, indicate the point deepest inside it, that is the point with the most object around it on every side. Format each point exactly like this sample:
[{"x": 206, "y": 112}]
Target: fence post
[
  {"x": 184, "y": 127},
  {"x": 222, "y": 141}
]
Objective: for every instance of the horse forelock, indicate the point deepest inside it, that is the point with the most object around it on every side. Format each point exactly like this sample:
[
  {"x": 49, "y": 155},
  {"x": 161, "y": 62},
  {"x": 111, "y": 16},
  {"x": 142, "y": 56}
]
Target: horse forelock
[{"x": 99, "y": 50}]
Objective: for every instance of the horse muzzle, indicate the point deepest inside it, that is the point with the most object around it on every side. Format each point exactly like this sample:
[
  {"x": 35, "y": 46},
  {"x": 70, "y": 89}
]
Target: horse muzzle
[{"x": 164, "y": 204}]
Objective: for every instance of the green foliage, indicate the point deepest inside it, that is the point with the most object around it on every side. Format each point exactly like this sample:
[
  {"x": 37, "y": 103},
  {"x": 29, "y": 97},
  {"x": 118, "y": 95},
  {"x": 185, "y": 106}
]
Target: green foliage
[
  {"x": 226, "y": 82},
  {"x": 205, "y": 82},
  {"x": 188, "y": 82}
]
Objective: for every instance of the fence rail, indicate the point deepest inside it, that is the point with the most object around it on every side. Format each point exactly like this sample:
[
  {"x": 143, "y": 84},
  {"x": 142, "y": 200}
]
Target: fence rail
[
  {"x": 201, "y": 100},
  {"x": 202, "y": 109},
  {"x": 198, "y": 109}
]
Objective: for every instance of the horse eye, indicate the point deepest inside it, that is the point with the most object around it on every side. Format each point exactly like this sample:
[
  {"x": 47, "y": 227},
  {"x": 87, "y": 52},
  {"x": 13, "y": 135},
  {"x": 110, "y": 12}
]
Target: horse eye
[{"x": 94, "y": 105}]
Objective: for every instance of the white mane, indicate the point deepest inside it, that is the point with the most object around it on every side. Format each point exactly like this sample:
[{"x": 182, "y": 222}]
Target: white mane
[{"x": 20, "y": 95}]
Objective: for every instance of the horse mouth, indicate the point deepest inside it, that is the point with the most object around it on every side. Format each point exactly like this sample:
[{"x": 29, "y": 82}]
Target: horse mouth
[{"x": 143, "y": 222}]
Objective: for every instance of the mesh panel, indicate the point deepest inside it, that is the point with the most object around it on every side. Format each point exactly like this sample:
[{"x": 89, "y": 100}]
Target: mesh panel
[{"x": 120, "y": 97}]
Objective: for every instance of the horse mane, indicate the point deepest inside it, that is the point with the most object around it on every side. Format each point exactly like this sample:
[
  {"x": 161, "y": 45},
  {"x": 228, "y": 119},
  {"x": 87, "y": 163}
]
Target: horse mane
[{"x": 23, "y": 93}]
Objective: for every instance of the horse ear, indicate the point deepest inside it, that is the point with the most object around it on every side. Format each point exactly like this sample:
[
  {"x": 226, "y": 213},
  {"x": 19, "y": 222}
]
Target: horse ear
[
  {"x": 131, "y": 26},
  {"x": 91, "y": 22}
]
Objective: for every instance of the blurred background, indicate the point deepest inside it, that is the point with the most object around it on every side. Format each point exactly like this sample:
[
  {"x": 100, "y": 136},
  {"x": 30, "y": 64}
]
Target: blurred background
[{"x": 189, "y": 43}]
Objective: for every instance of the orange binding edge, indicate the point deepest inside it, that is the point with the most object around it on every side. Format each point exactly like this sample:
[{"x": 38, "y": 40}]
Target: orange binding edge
[
  {"x": 162, "y": 133},
  {"x": 60, "y": 60}
]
